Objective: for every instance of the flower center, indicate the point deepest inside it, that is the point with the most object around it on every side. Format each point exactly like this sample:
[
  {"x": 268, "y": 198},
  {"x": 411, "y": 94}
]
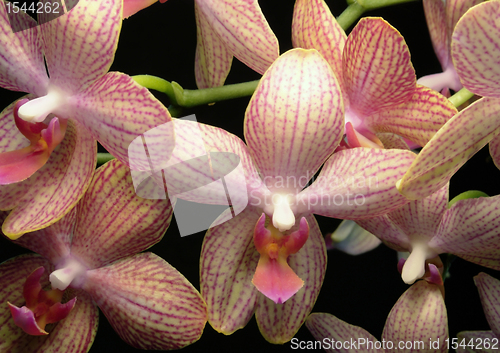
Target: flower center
[
  {"x": 283, "y": 217},
  {"x": 36, "y": 110},
  {"x": 414, "y": 267},
  {"x": 73, "y": 272}
]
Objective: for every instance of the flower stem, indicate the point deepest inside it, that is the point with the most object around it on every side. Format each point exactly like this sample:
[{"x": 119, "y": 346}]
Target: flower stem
[
  {"x": 461, "y": 97},
  {"x": 350, "y": 15}
]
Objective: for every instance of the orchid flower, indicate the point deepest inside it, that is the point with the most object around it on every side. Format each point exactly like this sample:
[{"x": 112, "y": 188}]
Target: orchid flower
[
  {"x": 442, "y": 16},
  {"x": 93, "y": 253},
  {"x": 376, "y": 76},
  {"x": 418, "y": 318},
  {"x": 293, "y": 123},
  {"x": 476, "y": 54},
  {"x": 487, "y": 341},
  {"x": 48, "y": 138},
  {"x": 428, "y": 227},
  {"x": 351, "y": 238}
]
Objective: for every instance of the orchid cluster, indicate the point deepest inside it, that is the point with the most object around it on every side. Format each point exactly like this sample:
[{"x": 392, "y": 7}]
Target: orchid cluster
[{"x": 330, "y": 122}]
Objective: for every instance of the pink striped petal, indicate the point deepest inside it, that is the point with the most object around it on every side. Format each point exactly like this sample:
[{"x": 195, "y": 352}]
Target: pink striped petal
[
  {"x": 455, "y": 9},
  {"x": 475, "y": 49},
  {"x": 385, "y": 229},
  {"x": 213, "y": 59},
  {"x": 392, "y": 141},
  {"x": 21, "y": 63},
  {"x": 417, "y": 119},
  {"x": 227, "y": 264},
  {"x": 435, "y": 15},
  {"x": 357, "y": 183},
  {"x": 116, "y": 110},
  {"x": 79, "y": 47},
  {"x": 471, "y": 229},
  {"x": 453, "y": 145},
  {"x": 294, "y": 120},
  {"x": 314, "y": 27},
  {"x": 478, "y": 336},
  {"x": 66, "y": 175},
  {"x": 244, "y": 30},
  {"x": 377, "y": 69},
  {"x": 148, "y": 302},
  {"x": 418, "y": 315},
  {"x": 489, "y": 292},
  {"x": 327, "y": 327},
  {"x": 278, "y": 323},
  {"x": 113, "y": 222},
  {"x": 495, "y": 150}
]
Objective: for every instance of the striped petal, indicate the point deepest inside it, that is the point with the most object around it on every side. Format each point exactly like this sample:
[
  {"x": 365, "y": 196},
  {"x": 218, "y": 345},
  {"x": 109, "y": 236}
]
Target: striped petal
[
  {"x": 74, "y": 334},
  {"x": 79, "y": 47},
  {"x": 418, "y": 315},
  {"x": 21, "y": 63},
  {"x": 455, "y": 9},
  {"x": 453, "y": 145},
  {"x": 357, "y": 183},
  {"x": 478, "y": 336},
  {"x": 278, "y": 323},
  {"x": 489, "y": 292},
  {"x": 417, "y": 119},
  {"x": 377, "y": 69},
  {"x": 327, "y": 327},
  {"x": 213, "y": 59},
  {"x": 294, "y": 120},
  {"x": 350, "y": 238},
  {"x": 435, "y": 15},
  {"x": 148, "y": 302},
  {"x": 66, "y": 174},
  {"x": 475, "y": 49},
  {"x": 242, "y": 27},
  {"x": 227, "y": 264},
  {"x": 495, "y": 150},
  {"x": 116, "y": 110},
  {"x": 113, "y": 222},
  {"x": 470, "y": 229},
  {"x": 314, "y": 27}
]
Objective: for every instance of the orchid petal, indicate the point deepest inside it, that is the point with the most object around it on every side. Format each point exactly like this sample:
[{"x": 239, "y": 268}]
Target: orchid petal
[
  {"x": 116, "y": 221},
  {"x": 131, "y": 7},
  {"x": 476, "y": 336},
  {"x": 227, "y": 265},
  {"x": 385, "y": 229},
  {"x": 66, "y": 174},
  {"x": 377, "y": 69},
  {"x": 148, "y": 302},
  {"x": 350, "y": 238},
  {"x": 475, "y": 50},
  {"x": 244, "y": 30},
  {"x": 418, "y": 315},
  {"x": 79, "y": 47},
  {"x": 417, "y": 119},
  {"x": 12, "y": 139},
  {"x": 455, "y": 143},
  {"x": 495, "y": 150},
  {"x": 365, "y": 180},
  {"x": 294, "y": 120},
  {"x": 469, "y": 229},
  {"x": 314, "y": 27},
  {"x": 21, "y": 64},
  {"x": 326, "y": 326},
  {"x": 455, "y": 9},
  {"x": 435, "y": 15},
  {"x": 278, "y": 323},
  {"x": 116, "y": 110},
  {"x": 213, "y": 59},
  {"x": 489, "y": 292},
  {"x": 25, "y": 319},
  {"x": 392, "y": 141}
]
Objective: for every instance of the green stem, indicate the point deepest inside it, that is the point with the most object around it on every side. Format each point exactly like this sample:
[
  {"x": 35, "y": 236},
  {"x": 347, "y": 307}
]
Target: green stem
[
  {"x": 103, "y": 158},
  {"x": 377, "y": 4},
  {"x": 461, "y": 97},
  {"x": 350, "y": 15}
]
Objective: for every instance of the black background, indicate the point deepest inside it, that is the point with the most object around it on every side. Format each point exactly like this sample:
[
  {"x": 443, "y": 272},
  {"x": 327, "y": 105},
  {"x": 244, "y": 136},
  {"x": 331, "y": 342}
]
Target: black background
[{"x": 361, "y": 290}]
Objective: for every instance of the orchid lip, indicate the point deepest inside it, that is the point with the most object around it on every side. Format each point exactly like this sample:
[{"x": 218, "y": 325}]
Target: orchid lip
[{"x": 36, "y": 110}]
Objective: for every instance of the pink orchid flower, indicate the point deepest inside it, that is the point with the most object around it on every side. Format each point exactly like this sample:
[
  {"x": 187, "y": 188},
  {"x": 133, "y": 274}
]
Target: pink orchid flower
[
  {"x": 418, "y": 319},
  {"x": 476, "y": 54},
  {"x": 484, "y": 341},
  {"x": 93, "y": 254},
  {"x": 428, "y": 227},
  {"x": 48, "y": 139},
  {"x": 270, "y": 258},
  {"x": 375, "y": 73},
  {"x": 442, "y": 16}
]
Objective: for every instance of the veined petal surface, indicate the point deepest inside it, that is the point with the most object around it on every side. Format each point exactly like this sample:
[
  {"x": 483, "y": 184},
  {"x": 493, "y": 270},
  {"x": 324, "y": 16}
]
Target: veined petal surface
[
  {"x": 56, "y": 187},
  {"x": 495, "y": 150},
  {"x": 357, "y": 183},
  {"x": 455, "y": 9},
  {"x": 476, "y": 49},
  {"x": 377, "y": 69},
  {"x": 453, "y": 145},
  {"x": 435, "y": 15},
  {"x": 227, "y": 265},
  {"x": 489, "y": 292},
  {"x": 294, "y": 120},
  {"x": 21, "y": 64},
  {"x": 278, "y": 323},
  {"x": 79, "y": 47},
  {"x": 244, "y": 30},
  {"x": 148, "y": 302},
  {"x": 113, "y": 222},
  {"x": 385, "y": 229}
]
